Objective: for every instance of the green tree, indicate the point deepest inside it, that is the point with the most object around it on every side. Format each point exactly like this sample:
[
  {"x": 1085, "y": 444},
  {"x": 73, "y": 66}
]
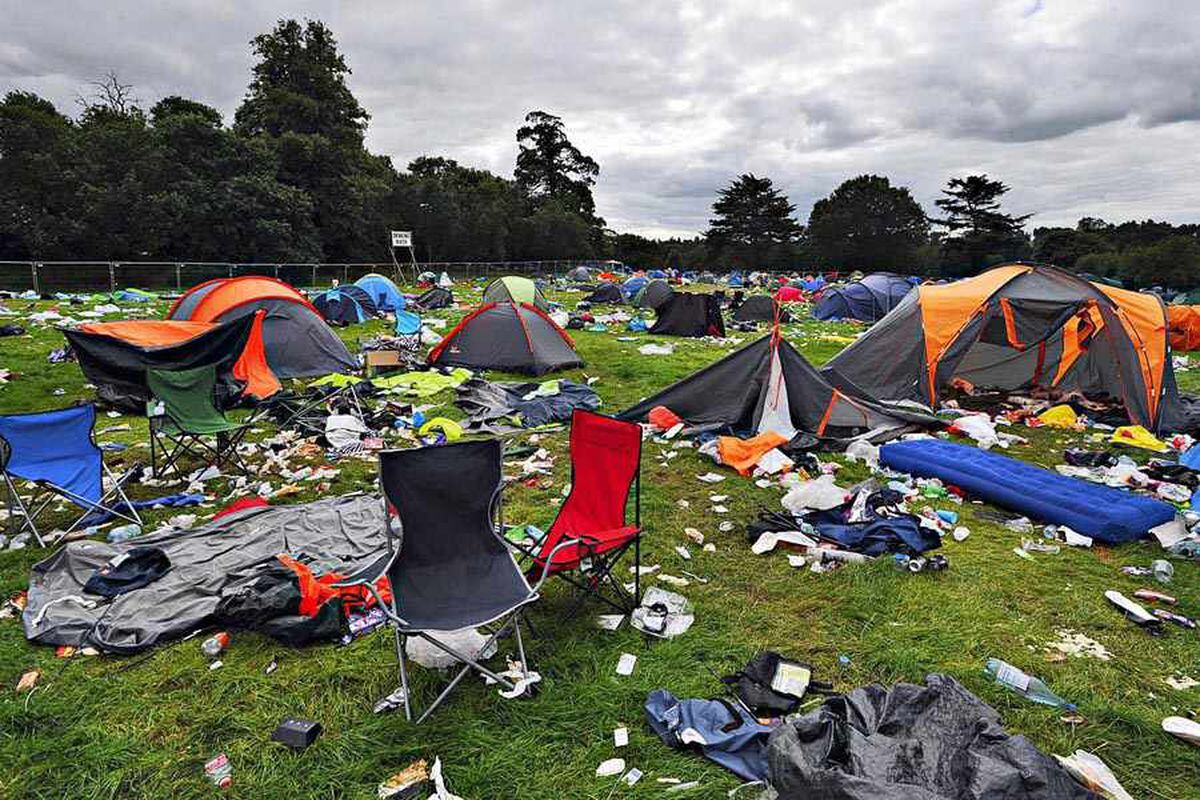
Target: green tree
[
  {"x": 979, "y": 233},
  {"x": 551, "y": 169},
  {"x": 753, "y": 226},
  {"x": 37, "y": 205},
  {"x": 866, "y": 223}
]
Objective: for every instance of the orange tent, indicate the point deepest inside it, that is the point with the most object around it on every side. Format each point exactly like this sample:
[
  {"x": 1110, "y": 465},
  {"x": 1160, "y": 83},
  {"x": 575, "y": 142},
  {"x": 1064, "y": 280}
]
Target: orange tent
[{"x": 1184, "y": 324}]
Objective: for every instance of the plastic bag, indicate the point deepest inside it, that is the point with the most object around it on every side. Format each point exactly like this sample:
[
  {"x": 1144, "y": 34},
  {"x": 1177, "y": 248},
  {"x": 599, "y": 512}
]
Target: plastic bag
[
  {"x": 821, "y": 494},
  {"x": 467, "y": 641}
]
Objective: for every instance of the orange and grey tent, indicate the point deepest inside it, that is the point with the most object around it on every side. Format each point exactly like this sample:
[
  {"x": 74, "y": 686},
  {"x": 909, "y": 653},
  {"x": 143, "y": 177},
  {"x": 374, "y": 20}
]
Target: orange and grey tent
[
  {"x": 1184, "y": 324},
  {"x": 116, "y": 356},
  {"x": 1014, "y": 328},
  {"x": 514, "y": 337},
  {"x": 298, "y": 343}
]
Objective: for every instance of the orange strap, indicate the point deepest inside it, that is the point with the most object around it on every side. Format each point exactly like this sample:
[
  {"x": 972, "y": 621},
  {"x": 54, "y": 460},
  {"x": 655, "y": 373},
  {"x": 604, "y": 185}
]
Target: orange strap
[
  {"x": 833, "y": 399},
  {"x": 1010, "y": 325}
]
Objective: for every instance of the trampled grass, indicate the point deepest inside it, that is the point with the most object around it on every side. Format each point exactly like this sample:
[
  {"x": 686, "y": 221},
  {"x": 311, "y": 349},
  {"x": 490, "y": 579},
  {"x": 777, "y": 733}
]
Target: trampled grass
[{"x": 143, "y": 726}]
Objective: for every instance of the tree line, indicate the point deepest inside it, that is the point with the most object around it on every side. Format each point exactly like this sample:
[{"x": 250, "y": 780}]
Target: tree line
[{"x": 291, "y": 180}]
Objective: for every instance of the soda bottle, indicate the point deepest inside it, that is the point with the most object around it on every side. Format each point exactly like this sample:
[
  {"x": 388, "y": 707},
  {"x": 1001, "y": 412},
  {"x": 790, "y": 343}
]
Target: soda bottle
[
  {"x": 213, "y": 645},
  {"x": 1026, "y": 685}
]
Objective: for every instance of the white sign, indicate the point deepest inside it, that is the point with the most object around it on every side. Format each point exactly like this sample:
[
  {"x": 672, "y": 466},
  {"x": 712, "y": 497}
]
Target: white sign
[{"x": 401, "y": 238}]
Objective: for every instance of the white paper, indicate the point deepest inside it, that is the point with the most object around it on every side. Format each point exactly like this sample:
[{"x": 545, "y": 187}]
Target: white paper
[
  {"x": 620, "y": 737},
  {"x": 625, "y": 664}
]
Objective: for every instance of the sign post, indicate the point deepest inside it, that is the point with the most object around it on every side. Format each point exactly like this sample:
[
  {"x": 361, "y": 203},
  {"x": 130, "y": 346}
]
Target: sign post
[{"x": 403, "y": 239}]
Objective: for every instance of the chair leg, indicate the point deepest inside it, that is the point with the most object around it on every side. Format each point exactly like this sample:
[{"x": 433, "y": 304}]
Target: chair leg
[
  {"x": 400, "y": 640},
  {"x": 14, "y": 499}
]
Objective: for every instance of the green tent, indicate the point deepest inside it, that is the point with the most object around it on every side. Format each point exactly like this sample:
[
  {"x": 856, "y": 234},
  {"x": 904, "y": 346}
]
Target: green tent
[{"x": 516, "y": 289}]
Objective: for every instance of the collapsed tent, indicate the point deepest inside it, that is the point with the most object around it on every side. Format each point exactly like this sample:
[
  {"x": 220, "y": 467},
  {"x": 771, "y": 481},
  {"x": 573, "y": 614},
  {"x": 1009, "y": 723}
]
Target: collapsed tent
[
  {"x": 298, "y": 342},
  {"x": 206, "y": 563},
  {"x": 116, "y": 356},
  {"x": 384, "y": 293},
  {"x": 1184, "y": 325},
  {"x": 507, "y": 336},
  {"x": 789, "y": 294},
  {"x": 515, "y": 289},
  {"x": 688, "y": 314},
  {"x": 435, "y": 298},
  {"x": 866, "y": 300},
  {"x": 653, "y": 295},
  {"x": 579, "y": 274},
  {"x": 759, "y": 308},
  {"x": 606, "y": 293},
  {"x": 768, "y": 386},
  {"x": 345, "y": 305},
  {"x": 1015, "y": 328}
]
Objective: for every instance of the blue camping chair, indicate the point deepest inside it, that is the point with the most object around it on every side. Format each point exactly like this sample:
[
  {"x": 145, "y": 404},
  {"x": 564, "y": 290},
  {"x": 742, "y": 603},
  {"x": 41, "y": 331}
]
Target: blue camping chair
[{"x": 55, "y": 451}]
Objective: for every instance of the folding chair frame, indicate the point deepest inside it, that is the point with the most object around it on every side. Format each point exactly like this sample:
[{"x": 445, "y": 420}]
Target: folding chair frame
[
  {"x": 13, "y": 501},
  {"x": 175, "y": 443},
  {"x": 511, "y": 619}
]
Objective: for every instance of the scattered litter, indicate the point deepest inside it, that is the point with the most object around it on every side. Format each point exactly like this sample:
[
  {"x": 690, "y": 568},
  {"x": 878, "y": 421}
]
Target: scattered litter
[
  {"x": 625, "y": 667},
  {"x": 633, "y": 776},
  {"x": 609, "y": 622},
  {"x": 663, "y": 614},
  {"x": 620, "y": 736},
  {"x": 683, "y": 552},
  {"x": 1183, "y": 728},
  {"x": 693, "y": 534},
  {"x": 219, "y": 771},
  {"x": 653, "y": 349},
  {"x": 1075, "y": 644},
  {"x": 711, "y": 477},
  {"x": 28, "y": 680},
  {"x": 613, "y": 766},
  {"x": 1093, "y": 773},
  {"x": 405, "y": 784},
  {"x": 672, "y": 580},
  {"x": 1182, "y": 682}
]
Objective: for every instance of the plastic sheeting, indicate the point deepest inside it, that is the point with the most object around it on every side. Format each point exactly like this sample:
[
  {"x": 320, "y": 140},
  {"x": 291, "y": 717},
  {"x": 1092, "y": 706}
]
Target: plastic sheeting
[{"x": 910, "y": 742}]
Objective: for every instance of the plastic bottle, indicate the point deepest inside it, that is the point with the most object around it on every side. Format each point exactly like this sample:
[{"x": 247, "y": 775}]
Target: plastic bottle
[
  {"x": 1163, "y": 571},
  {"x": 1028, "y": 686},
  {"x": 213, "y": 645},
  {"x": 124, "y": 532}
]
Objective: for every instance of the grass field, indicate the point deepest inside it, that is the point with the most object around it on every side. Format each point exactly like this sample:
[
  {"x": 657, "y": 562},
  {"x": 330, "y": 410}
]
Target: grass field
[{"x": 142, "y": 727}]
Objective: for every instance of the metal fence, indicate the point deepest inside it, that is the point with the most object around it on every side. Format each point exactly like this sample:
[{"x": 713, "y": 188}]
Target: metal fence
[{"x": 162, "y": 276}]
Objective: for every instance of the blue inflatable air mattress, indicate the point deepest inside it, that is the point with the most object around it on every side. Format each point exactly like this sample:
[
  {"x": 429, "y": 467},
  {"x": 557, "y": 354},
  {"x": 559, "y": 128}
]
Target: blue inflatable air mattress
[{"x": 1106, "y": 514}]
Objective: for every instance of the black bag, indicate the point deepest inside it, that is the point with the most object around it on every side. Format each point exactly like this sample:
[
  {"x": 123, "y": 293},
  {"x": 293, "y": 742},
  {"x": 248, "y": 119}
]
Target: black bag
[{"x": 772, "y": 686}]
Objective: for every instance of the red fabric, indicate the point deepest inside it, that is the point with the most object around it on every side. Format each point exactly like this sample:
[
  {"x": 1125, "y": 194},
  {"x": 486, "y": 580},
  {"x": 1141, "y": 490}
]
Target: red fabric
[
  {"x": 315, "y": 592},
  {"x": 605, "y": 457},
  {"x": 789, "y": 294},
  {"x": 240, "y": 505},
  {"x": 663, "y": 418}
]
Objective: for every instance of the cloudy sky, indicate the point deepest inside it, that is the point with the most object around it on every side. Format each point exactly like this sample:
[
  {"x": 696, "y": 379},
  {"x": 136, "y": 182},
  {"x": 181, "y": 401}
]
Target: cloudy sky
[{"x": 1084, "y": 107}]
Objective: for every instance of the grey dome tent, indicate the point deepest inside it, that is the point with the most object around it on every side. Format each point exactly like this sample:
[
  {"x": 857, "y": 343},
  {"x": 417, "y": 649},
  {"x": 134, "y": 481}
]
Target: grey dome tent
[
  {"x": 768, "y": 386},
  {"x": 606, "y": 293},
  {"x": 435, "y": 298},
  {"x": 654, "y": 294},
  {"x": 687, "y": 314},
  {"x": 579, "y": 274},
  {"x": 514, "y": 337},
  {"x": 759, "y": 308}
]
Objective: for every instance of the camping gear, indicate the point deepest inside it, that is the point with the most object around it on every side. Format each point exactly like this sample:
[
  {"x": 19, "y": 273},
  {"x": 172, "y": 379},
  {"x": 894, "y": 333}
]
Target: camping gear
[
  {"x": 606, "y": 293},
  {"x": 932, "y": 741},
  {"x": 454, "y": 570},
  {"x": 653, "y": 295},
  {"x": 343, "y": 533},
  {"x": 345, "y": 305},
  {"x": 507, "y": 336},
  {"x": 116, "y": 356},
  {"x": 1183, "y": 324},
  {"x": 183, "y": 417},
  {"x": 723, "y": 732},
  {"x": 579, "y": 274},
  {"x": 591, "y": 532},
  {"x": 55, "y": 451},
  {"x": 760, "y": 308},
  {"x": 866, "y": 300},
  {"x": 1015, "y": 328},
  {"x": 515, "y": 289},
  {"x": 434, "y": 298},
  {"x": 1109, "y": 515},
  {"x": 768, "y": 386},
  {"x": 688, "y": 314},
  {"x": 773, "y": 686},
  {"x": 523, "y": 404},
  {"x": 382, "y": 291},
  {"x": 297, "y": 341}
]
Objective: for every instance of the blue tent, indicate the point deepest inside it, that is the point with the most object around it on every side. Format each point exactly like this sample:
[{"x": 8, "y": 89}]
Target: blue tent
[
  {"x": 634, "y": 285},
  {"x": 386, "y": 295},
  {"x": 867, "y": 300},
  {"x": 811, "y": 284},
  {"x": 736, "y": 281},
  {"x": 345, "y": 305},
  {"x": 656, "y": 273}
]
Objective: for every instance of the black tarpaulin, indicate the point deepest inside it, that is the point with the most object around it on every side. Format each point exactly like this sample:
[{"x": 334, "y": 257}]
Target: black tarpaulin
[
  {"x": 931, "y": 742},
  {"x": 689, "y": 314}
]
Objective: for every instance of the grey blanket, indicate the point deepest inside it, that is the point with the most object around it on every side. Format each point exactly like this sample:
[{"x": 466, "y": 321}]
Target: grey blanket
[{"x": 337, "y": 534}]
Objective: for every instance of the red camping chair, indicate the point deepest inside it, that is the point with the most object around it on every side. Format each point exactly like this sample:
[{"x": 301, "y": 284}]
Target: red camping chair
[{"x": 591, "y": 533}]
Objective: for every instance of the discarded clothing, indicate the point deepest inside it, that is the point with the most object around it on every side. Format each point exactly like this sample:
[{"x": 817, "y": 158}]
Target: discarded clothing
[
  {"x": 423, "y": 383},
  {"x": 723, "y": 733},
  {"x": 1062, "y": 416},
  {"x": 166, "y": 501},
  {"x": 1078, "y": 457},
  {"x": 487, "y": 403},
  {"x": 1139, "y": 437},
  {"x": 744, "y": 454},
  {"x": 1106, "y": 514},
  {"x": 343, "y": 533},
  {"x": 931, "y": 742},
  {"x": 128, "y": 571},
  {"x": 876, "y": 536}
]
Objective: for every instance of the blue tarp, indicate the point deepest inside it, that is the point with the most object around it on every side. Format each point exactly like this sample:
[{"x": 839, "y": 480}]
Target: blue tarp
[{"x": 1106, "y": 514}]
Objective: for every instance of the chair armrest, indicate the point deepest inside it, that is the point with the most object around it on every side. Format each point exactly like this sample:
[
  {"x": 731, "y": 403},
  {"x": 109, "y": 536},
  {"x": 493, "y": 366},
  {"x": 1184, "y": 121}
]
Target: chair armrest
[
  {"x": 370, "y": 573},
  {"x": 549, "y": 562}
]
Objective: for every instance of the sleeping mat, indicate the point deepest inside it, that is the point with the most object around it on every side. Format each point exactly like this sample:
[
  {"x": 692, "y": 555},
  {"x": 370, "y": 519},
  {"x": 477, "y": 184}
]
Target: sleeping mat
[{"x": 1106, "y": 514}]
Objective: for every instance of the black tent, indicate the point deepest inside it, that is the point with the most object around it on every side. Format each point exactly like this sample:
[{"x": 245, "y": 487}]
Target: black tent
[
  {"x": 345, "y": 305},
  {"x": 606, "y": 293},
  {"x": 435, "y": 298},
  {"x": 768, "y": 385},
  {"x": 687, "y": 314},
  {"x": 118, "y": 366},
  {"x": 514, "y": 337},
  {"x": 759, "y": 308},
  {"x": 654, "y": 294}
]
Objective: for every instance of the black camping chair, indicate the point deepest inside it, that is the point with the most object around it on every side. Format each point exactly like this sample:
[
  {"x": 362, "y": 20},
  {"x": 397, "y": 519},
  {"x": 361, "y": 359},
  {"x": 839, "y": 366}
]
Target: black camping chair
[{"x": 452, "y": 569}]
